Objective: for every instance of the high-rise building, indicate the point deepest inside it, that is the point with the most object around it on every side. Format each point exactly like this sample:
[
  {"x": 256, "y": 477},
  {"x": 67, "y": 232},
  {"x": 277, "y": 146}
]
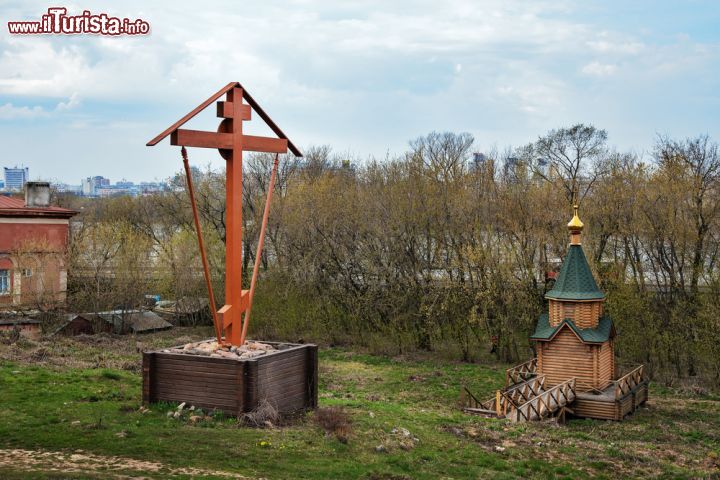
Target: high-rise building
[
  {"x": 542, "y": 166},
  {"x": 15, "y": 178},
  {"x": 87, "y": 187},
  {"x": 478, "y": 161},
  {"x": 65, "y": 188},
  {"x": 90, "y": 185}
]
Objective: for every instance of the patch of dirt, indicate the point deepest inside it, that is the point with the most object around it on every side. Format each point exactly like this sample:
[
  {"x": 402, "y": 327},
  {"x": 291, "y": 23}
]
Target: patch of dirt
[
  {"x": 102, "y": 350},
  {"x": 387, "y": 476},
  {"x": 484, "y": 437},
  {"x": 87, "y": 463},
  {"x": 619, "y": 446}
]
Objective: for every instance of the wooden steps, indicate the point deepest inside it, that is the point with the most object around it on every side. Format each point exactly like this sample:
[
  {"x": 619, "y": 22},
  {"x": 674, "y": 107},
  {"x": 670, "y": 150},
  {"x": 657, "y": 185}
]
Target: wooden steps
[
  {"x": 526, "y": 397},
  {"x": 545, "y": 404}
]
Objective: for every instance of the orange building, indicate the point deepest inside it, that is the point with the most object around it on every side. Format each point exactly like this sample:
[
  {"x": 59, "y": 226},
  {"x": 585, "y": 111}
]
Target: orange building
[{"x": 33, "y": 249}]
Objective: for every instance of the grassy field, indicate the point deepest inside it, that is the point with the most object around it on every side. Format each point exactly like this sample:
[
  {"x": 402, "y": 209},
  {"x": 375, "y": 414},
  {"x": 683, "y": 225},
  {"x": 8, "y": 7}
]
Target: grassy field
[{"x": 70, "y": 408}]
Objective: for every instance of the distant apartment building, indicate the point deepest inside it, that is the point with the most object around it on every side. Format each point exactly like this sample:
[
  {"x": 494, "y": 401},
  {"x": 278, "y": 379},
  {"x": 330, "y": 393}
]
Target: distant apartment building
[
  {"x": 542, "y": 166},
  {"x": 66, "y": 188},
  {"x": 86, "y": 187},
  {"x": 132, "y": 189},
  {"x": 478, "y": 161},
  {"x": 147, "y": 188},
  {"x": 514, "y": 168},
  {"x": 123, "y": 187},
  {"x": 33, "y": 248},
  {"x": 91, "y": 185},
  {"x": 100, "y": 186},
  {"x": 15, "y": 178},
  {"x": 479, "y": 157},
  {"x": 111, "y": 191}
]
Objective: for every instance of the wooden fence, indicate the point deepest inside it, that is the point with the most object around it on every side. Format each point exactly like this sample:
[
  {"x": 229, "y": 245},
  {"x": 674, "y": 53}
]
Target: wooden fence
[
  {"x": 521, "y": 373},
  {"x": 629, "y": 381}
]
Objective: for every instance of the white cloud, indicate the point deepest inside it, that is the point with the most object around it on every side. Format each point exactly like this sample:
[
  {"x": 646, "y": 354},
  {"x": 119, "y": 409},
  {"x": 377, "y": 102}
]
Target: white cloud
[
  {"x": 11, "y": 112},
  {"x": 365, "y": 73},
  {"x": 190, "y": 48},
  {"x": 532, "y": 97},
  {"x": 616, "y": 47},
  {"x": 73, "y": 102},
  {"x": 598, "y": 69}
]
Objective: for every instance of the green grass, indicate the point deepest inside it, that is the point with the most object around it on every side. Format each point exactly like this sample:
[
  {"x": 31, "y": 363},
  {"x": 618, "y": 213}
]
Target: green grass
[{"x": 64, "y": 406}]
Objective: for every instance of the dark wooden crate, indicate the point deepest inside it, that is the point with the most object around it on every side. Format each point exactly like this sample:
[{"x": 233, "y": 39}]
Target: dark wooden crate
[{"x": 286, "y": 378}]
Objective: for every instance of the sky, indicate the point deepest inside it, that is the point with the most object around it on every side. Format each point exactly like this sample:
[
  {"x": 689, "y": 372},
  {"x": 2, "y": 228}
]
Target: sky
[{"x": 364, "y": 77}]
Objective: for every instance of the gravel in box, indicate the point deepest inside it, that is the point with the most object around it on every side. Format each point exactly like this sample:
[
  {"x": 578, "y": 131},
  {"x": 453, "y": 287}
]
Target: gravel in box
[{"x": 211, "y": 348}]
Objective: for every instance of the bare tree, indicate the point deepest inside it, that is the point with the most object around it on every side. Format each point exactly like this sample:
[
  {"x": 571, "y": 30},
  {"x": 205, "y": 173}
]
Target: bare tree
[
  {"x": 573, "y": 155},
  {"x": 697, "y": 164}
]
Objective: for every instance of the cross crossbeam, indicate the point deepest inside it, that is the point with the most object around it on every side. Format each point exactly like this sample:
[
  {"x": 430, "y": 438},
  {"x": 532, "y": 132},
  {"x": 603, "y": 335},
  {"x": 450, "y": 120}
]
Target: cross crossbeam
[{"x": 224, "y": 141}]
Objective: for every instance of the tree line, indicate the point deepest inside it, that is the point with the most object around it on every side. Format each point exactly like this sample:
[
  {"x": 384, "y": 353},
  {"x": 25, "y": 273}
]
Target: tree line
[{"x": 439, "y": 249}]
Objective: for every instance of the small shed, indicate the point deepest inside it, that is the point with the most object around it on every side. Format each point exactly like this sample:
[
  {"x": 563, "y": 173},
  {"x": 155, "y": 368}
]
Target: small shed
[
  {"x": 188, "y": 311},
  {"x": 134, "y": 321},
  {"x": 28, "y": 327},
  {"x": 115, "y": 321},
  {"x": 82, "y": 323}
]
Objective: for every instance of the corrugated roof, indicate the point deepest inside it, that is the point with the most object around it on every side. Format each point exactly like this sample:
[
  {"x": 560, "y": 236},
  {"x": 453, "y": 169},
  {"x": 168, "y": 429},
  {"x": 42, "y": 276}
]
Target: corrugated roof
[
  {"x": 604, "y": 331},
  {"x": 148, "y": 322},
  {"x": 576, "y": 281},
  {"x": 134, "y": 320},
  {"x": 19, "y": 321},
  {"x": 15, "y": 207}
]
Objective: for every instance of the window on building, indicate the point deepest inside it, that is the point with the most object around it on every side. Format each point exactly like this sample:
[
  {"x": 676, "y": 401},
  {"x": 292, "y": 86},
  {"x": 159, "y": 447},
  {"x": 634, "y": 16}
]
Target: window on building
[
  {"x": 4, "y": 281},
  {"x": 27, "y": 272}
]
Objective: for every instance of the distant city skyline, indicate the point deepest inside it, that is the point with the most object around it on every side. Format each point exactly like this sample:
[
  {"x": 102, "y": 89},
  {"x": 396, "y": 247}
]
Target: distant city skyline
[
  {"x": 28, "y": 176},
  {"x": 14, "y": 179},
  {"x": 363, "y": 77}
]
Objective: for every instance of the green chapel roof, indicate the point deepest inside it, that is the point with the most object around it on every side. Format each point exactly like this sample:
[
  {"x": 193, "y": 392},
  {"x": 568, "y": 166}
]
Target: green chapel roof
[
  {"x": 599, "y": 334},
  {"x": 576, "y": 281}
]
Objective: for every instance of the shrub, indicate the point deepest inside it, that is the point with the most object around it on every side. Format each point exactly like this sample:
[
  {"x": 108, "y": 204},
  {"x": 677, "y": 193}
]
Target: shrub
[
  {"x": 265, "y": 414},
  {"x": 335, "y": 421}
]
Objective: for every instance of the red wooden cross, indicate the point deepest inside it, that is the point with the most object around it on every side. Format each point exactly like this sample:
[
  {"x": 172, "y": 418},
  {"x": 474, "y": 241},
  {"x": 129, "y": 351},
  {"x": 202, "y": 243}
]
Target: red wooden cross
[{"x": 231, "y": 142}]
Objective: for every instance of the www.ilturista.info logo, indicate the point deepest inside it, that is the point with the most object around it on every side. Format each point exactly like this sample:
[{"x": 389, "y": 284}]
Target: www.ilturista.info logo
[{"x": 57, "y": 21}]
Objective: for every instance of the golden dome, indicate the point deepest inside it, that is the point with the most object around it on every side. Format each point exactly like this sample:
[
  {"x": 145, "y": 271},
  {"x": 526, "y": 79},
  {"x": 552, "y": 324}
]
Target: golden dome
[{"x": 575, "y": 225}]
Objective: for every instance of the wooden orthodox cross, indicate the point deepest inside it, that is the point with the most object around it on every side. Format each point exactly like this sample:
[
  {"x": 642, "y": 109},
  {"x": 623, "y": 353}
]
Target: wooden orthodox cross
[{"x": 231, "y": 142}]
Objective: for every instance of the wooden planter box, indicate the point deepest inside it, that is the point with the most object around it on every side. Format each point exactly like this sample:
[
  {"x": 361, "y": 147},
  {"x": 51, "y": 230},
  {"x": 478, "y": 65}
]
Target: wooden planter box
[{"x": 287, "y": 378}]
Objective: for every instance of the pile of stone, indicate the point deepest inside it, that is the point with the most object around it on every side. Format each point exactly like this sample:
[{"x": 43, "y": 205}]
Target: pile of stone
[{"x": 213, "y": 349}]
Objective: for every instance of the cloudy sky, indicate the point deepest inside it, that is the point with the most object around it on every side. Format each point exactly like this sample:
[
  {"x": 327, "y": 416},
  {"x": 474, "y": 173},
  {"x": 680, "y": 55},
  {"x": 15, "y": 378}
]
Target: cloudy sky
[{"x": 362, "y": 76}]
